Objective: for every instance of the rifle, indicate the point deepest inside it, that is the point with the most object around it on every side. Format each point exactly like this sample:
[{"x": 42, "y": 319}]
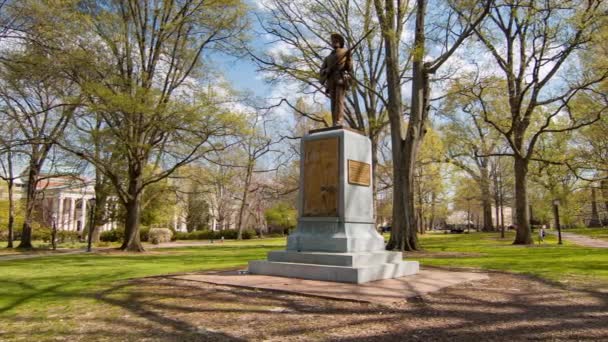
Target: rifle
[{"x": 323, "y": 77}]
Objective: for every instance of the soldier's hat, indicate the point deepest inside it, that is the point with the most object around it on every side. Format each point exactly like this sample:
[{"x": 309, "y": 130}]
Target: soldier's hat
[{"x": 338, "y": 37}]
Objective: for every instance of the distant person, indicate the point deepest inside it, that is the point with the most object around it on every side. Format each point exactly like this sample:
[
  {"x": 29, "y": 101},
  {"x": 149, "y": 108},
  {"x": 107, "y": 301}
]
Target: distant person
[{"x": 541, "y": 234}]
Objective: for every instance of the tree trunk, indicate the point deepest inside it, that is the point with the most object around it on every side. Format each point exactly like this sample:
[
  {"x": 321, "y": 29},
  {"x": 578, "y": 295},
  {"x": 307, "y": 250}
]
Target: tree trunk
[
  {"x": 404, "y": 151},
  {"x": 496, "y": 202},
  {"x": 415, "y": 127},
  {"x": 30, "y": 197},
  {"x": 486, "y": 199},
  {"x": 11, "y": 212},
  {"x": 432, "y": 218},
  {"x": 96, "y": 233},
  {"x": 604, "y": 186},
  {"x": 131, "y": 240},
  {"x": 397, "y": 240},
  {"x": 595, "y": 217},
  {"x": 400, "y": 227},
  {"x": 374, "y": 144},
  {"x": 239, "y": 235},
  {"x": 524, "y": 235}
]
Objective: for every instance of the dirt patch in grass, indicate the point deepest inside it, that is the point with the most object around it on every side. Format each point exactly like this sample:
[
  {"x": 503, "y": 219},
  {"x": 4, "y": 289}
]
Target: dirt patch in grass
[
  {"x": 504, "y": 307},
  {"x": 118, "y": 252}
]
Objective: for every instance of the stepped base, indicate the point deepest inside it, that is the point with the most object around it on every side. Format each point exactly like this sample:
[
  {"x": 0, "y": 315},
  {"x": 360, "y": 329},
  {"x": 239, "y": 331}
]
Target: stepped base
[{"x": 338, "y": 267}]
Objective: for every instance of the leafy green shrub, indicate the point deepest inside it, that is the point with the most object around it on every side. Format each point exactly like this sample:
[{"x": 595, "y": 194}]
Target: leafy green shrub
[
  {"x": 160, "y": 235},
  {"x": 41, "y": 233},
  {"x": 202, "y": 235},
  {"x": 180, "y": 236},
  {"x": 274, "y": 235},
  {"x": 103, "y": 244},
  {"x": 144, "y": 234},
  {"x": 227, "y": 233},
  {"x": 248, "y": 234},
  {"x": 67, "y": 235},
  {"x": 214, "y": 235},
  {"x": 112, "y": 235}
]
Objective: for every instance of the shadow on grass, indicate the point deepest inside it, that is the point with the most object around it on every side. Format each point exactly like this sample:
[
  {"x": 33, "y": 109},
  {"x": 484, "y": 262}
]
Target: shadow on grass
[
  {"x": 164, "y": 308},
  {"x": 461, "y": 314},
  {"x": 510, "y": 307}
]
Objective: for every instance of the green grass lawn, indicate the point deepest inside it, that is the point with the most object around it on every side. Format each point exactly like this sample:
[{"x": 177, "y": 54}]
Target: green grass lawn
[
  {"x": 487, "y": 251},
  {"x": 33, "y": 288},
  {"x": 596, "y": 233},
  {"x": 65, "y": 280},
  {"x": 45, "y": 247}
]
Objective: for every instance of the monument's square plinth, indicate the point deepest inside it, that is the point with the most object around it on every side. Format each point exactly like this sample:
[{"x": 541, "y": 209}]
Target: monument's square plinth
[{"x": 335, "y": 239}]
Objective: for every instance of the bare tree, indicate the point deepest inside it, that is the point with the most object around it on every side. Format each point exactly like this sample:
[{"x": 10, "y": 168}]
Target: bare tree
[
  {"x": 41, "y": 105},
  {"x": 470, "y": 143},
  {"x": 259, "y": 143},
  {"x": 534, "y": 52},
  {"x": 9, "y": 155},
  {"x": 406, "y": 140},
  {"x": 303, "y": 29}
]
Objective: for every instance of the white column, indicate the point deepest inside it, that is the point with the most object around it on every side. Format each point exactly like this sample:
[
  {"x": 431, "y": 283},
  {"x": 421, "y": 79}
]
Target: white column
[
  {"x": 59, "y": 216},
  {"x": 83, "y": 214},
  {"x": 71, "y": 221}
]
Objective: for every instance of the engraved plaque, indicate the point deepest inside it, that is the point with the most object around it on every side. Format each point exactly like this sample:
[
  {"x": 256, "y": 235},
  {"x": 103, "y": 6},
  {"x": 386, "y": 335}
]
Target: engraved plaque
[
  {"x": 358, "y": 173},
  {"x": 321, "y": 177}
]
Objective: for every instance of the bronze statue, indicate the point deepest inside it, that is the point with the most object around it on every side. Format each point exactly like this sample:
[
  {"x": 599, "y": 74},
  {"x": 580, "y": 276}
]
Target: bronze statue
[{"x": 336, "y": 76}]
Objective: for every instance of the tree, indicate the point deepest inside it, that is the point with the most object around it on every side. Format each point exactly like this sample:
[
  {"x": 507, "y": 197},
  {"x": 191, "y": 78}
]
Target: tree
[
  {"x": 502, "y": 183},
  {"x": 8, "y": 156},
  {"x": 141, "y": 66},
  {"x": 533, "y": 49},
  {"x": 158, "y": 203},
  {"x": 467, "y": 198},
  {"x": 40, "y": 104},
  {"x": 258, "y": 143},
  {"x": 551, "y": 181},
  {"x": 429, "y": 182},
  {"x": 281, "y": 216},
  {"x": 470, "y": 143},
  {"x": 12, "y": 20},
  {"x": 406, "y": 140},
  {"x": 303, "y": 29}
]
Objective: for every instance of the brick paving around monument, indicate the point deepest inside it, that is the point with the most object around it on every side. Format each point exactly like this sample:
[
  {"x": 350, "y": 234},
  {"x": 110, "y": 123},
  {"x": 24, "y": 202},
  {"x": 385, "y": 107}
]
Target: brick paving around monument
[
  {"x": 386, "y": 292},
  {"x": 502, "y": 307}
]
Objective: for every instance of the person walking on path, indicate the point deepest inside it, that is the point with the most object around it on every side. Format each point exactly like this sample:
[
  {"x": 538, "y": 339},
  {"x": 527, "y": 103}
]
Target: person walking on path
[{"x": 541, "y": 234}]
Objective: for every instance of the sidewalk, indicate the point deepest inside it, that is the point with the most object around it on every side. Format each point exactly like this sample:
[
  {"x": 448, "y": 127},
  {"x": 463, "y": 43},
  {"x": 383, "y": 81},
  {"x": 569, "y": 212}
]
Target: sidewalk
[{"x": 582, "y": 240}]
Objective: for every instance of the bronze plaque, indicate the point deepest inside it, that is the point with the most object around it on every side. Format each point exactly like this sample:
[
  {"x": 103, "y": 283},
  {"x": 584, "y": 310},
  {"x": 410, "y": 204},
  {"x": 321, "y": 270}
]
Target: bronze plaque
[
  {"x": 358, "y": 173},
  {"x": 321, "y": 177}
]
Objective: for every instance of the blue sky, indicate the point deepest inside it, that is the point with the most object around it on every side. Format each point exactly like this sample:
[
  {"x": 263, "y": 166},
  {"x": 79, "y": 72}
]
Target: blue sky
[
  {"x": 241, "y": 72},
  {"x": 243, "y": 76}
]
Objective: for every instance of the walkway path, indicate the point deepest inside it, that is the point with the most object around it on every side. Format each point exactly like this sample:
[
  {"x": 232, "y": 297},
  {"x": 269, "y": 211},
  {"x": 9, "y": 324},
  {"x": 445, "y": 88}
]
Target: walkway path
[{"x": 583, "y": 240}]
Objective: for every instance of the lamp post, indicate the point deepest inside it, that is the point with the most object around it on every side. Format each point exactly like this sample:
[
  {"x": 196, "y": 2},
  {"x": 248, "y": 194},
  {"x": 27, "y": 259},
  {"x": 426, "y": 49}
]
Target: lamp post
[
  {"x": 91, "y": 223},
  {"x": 54, "y": 231},
  {"x": 556, "y": 214}
]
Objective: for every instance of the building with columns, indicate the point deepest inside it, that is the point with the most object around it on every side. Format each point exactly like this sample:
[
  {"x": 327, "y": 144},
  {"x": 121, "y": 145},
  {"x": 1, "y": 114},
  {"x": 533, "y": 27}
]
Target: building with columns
[{"x": 66, "y": 202}]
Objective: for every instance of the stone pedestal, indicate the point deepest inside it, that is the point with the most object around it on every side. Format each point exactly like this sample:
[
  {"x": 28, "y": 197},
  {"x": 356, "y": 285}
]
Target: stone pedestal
[{"x": 335, "y": 239}]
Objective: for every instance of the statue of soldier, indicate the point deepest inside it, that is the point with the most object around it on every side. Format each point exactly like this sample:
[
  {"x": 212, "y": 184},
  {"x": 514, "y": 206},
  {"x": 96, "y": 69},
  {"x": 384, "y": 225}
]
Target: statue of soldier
[{"x": 336, "y": 76}]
